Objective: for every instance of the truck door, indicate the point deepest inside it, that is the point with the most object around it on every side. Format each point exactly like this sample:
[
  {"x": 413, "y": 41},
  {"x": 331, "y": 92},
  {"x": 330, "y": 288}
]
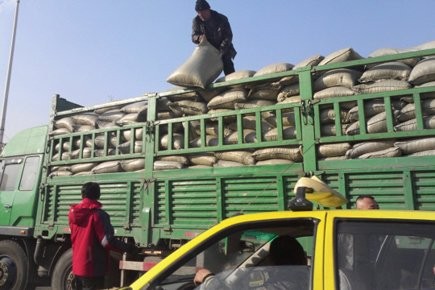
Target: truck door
[{"x": 8, "y": 187}]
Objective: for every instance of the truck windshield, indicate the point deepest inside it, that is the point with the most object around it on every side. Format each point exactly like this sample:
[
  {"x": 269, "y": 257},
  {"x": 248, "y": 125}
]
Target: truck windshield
[{"x": 385, "y": 255}]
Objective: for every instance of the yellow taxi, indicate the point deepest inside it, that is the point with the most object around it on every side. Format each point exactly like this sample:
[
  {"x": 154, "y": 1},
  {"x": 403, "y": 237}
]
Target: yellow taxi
[{"x": 305, "y": 249}]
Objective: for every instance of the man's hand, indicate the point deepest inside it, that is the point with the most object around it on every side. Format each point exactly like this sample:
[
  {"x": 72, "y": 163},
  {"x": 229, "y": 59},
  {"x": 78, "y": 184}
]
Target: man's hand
[
  {"x": 202, "y": 38},
  {"x": 200, "y": 275}
]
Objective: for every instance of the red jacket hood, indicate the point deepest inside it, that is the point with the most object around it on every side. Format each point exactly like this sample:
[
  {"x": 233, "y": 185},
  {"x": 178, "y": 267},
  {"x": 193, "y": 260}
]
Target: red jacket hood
[{"x": 79, "y": 213}]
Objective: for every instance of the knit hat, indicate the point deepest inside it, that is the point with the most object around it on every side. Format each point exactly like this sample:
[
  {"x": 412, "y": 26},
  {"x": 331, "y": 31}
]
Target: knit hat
[{"x": 201, "y": 5}]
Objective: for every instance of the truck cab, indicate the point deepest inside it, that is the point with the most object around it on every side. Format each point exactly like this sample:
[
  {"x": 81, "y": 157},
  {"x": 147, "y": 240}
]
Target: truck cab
[
  {"x": 344, "y": 249},
  {"x": 21, "y": 166}
]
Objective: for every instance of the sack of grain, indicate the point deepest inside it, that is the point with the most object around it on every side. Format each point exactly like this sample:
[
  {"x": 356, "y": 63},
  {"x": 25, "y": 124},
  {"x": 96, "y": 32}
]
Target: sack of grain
[
  {"x": 416, "y": 145},
  {"x": 273, "y": 68},
  {"x": 203, "y": 159},
  {"x": 249, "y": 136},
  {"x": 60, "y": 131},
  {"x": 311, "y": 61},
  {"x": 423, "y": 153},
  {"x": 82, "y": 167},
  {"x": 133, "y": 164},
  {"x": 227, "y": 99},
  {"x": 288, "y": 132},
  {"x": 131, "y": 118},
  {"x": 60, "y": 173},
  {"x": 226, "y": 163},
  {"x": 293, "y": 154},
  {"x": 428, "y": 123},
  {"x": 333, "y": 150},
  {"x": 381, "y": 86},
  {"x": 189, "y": 108},
  {"x": 210, "y": 140},
  {"x": 167, "y": 165},
  {"x": 359, "y": 149},
  {"x": 285, "y": 81},
  {"x": 371, "y": 108},
  {"x": 377, "y": 123},
  {"x": 102, "y": 152},
  {"x": 333, "y": 92},
  {"x": 250, "y": 122},
  {"x": 389, "y": 152},
  {"x": 106, "y": 108},
  {"x": 265, "y": 93},
  {"x": 424, "y": 71},
  {"x": 253, "y": 104},
  {"x": 200, "y": 69},
  {"x": 344, "y": 54},
  {"x": 293, "y": 99},
  {"x": 177, "y": 141},
  {"x": 126, "y": 147},
  {"x": 135, "y": 107},
  {"x": 137, "y": 133},
  {"x": 111, "y": 115},
  {"x": 237, "y": 75},
  {"x": 244, "y": 157},
  {"x": 288, "y": 91},
  {"x": 342, "y": 77},
  {"x": 274, "y": 162},
  {"x": 391, "y": 51},
  {"x": 331, "y": 129},
  {"x": 107, "y": 167},
  {"x": 328, "y": 116},
  {"x": 388, "y": 70},
  {"x": 106, "y": 124},
  {"x": 86, "y": 119},
  {"x": 66, "y": 123}
]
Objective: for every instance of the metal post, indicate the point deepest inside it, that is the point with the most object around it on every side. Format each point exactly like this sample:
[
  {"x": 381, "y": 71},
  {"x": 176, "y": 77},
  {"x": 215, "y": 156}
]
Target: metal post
[{"x": 8, "y": 78}]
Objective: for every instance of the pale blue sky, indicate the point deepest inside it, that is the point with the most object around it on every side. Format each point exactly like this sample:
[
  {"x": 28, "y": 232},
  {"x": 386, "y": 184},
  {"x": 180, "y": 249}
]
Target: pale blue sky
[{"x": 94, "y": 51}]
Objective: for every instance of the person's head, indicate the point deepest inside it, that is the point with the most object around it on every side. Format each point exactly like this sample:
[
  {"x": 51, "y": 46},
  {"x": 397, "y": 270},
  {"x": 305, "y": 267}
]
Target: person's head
[
  {"x": 202, "y": 8},
  {"x": 286, "y": 250},
  {"x": 91, "y": 190},
  {"x": 366, "y": 202}
]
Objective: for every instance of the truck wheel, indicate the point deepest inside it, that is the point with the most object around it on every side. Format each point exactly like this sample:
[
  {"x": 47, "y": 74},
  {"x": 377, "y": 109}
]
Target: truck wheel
[
  {"x": 14, "y": 266},
  {"x": 63, "y": 278}
]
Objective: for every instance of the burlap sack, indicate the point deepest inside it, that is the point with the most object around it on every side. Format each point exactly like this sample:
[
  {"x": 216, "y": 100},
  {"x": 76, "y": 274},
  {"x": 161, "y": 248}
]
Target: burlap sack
[{"x": 200, "y": 69}]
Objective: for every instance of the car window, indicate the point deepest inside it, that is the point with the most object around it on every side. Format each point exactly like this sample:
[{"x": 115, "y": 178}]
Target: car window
[
  {"x": 10, "y": 177},
  {"x": 258, "y": 256},
  {"x": 29, "y": 175},
  {"x": 385, "y": 255}
]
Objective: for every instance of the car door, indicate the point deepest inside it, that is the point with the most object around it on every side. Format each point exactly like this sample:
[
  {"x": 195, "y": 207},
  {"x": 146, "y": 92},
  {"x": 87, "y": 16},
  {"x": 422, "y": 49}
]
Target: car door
[
  {"x": 10, "y": 174},
  {"x": 239, "y": 254}
]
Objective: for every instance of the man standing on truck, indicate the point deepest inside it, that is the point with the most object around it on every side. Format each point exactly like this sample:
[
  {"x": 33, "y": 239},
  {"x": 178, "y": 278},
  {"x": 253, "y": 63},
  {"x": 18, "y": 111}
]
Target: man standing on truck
[
  {"x": 92, "y": 238},
  {"x": 215, "y": 28}
]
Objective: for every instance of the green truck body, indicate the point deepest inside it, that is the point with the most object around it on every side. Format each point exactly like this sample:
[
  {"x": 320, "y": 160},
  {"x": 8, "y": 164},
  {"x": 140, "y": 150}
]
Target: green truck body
[{"x": 161, "y": 207}]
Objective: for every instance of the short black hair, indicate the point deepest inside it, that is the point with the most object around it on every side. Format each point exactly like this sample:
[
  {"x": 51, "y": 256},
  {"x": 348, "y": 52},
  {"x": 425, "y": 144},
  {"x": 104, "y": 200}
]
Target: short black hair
[
  {"x": 91, "y": 190},
  {"x": 362, "y": 196},
  {"x": 286, "y": 250}
]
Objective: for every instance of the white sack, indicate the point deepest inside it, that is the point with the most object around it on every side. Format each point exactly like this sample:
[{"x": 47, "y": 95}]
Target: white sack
[{"x": 200, "y": 69}]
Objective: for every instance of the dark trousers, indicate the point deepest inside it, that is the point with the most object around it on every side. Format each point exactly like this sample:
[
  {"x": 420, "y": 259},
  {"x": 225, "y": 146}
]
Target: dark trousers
[
  {"x": 228, "y": 64},
  {"x": 89, "y": 283}
]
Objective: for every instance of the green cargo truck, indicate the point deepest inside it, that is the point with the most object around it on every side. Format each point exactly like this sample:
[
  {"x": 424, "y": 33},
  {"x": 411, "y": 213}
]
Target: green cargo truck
[{"x": 172, "y": 164}]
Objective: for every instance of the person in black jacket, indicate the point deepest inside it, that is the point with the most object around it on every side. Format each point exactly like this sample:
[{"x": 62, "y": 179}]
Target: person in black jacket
[{"x": 214, "y": 27}]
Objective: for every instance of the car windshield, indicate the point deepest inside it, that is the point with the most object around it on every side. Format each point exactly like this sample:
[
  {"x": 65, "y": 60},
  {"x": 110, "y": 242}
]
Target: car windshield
[
  {"x": 383, "y": 255},
  {"x": 264, "y": 256}
]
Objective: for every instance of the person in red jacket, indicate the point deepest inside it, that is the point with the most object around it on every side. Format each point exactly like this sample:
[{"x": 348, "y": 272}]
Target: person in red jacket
[{"x": 92, "y": 238}]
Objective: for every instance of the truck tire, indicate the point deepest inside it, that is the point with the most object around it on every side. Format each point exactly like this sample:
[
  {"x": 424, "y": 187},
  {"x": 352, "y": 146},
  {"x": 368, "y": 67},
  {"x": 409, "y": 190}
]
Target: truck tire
[
  {"x": 14, "y": 266},
  {"x": 63, "y": 278}
]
